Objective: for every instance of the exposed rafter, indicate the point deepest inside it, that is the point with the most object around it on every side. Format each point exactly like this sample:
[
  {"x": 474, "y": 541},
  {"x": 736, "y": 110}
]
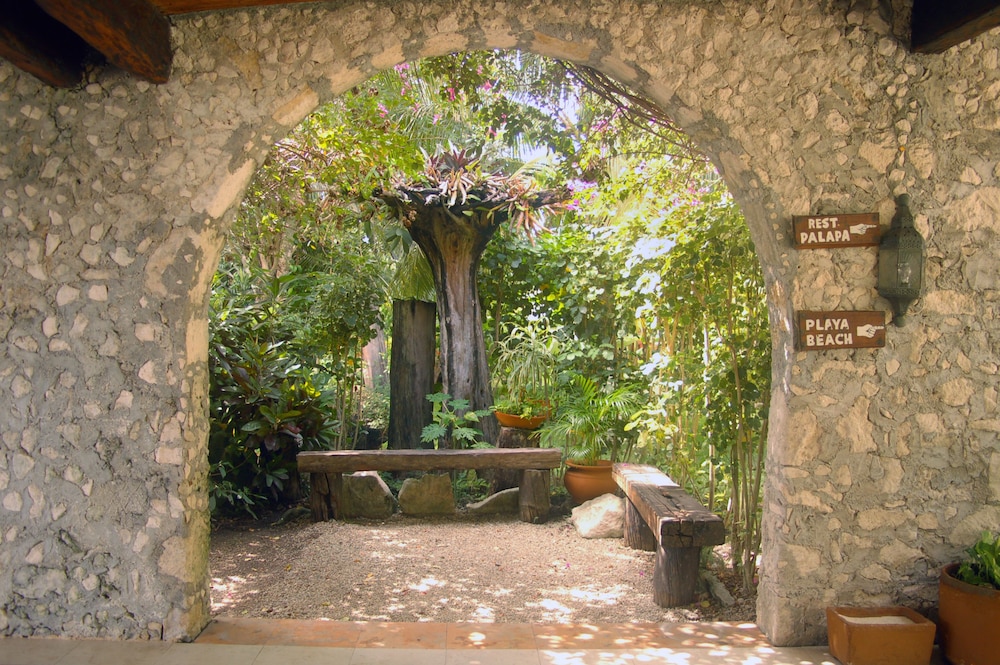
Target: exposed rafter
[
  {"x": 38, "y": 44},
  {"x": 132, "y": 34},
  {"x": 937, "y": 25}
]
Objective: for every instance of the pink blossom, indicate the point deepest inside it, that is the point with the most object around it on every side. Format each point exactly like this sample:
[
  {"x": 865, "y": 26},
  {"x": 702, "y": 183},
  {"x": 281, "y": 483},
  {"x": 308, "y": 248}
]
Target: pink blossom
[{"x": 576, "y": 185}]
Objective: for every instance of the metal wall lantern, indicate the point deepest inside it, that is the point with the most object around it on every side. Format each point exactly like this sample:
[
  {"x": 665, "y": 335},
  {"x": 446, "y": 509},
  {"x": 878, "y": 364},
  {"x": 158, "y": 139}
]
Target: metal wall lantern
[{"x": 901, "y": 261}]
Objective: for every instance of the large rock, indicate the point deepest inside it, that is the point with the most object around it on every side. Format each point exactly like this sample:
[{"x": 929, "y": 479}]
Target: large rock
[
  {"x": 502, "y": 502},
  {"x": 428, "y": 495},
  {"x": 603, "y": 517},
  {"x": 367, "y": 495}
]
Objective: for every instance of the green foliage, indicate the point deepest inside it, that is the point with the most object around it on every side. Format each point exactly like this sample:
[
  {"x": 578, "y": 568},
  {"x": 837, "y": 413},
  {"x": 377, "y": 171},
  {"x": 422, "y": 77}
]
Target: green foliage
[
  {"x": 264, "y": 410},
  {"x": 592, "y": 421},
  {"x": 524, "y": 369},
  {"x": 982, "y": 568},
  {"x": 226, "y": 496},
  {"x": 375, "y": 406},
  {"x": 453, "y": 424},
  {"x": 568, "y": 281},
  {"x": 469, "y": 487},
  {"x": 651, "y": 280},
  {"x": 266, "y": 396}
]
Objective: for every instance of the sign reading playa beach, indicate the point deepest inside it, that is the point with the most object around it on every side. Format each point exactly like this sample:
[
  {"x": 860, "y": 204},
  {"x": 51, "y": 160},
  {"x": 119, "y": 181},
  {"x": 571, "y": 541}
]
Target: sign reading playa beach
[
  {"x": 821, "y": 331},
  {"x": 829, "y": 231}
]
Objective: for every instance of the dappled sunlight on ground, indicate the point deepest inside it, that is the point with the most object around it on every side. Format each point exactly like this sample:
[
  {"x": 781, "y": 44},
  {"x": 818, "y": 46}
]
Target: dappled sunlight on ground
[{"x": 436, "y": 570}]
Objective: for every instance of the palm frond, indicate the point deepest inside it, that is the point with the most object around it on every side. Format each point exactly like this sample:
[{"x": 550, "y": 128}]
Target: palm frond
[{"x": 413, "y": 279}]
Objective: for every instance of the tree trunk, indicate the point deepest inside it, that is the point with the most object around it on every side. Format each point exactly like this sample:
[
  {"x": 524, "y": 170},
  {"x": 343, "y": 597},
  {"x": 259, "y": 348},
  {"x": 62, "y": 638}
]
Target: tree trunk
[
  {"x": 411, "y": 374},
  {"x": 511, "y": 437},
  {"x": 373, "y": 370},
  {"x": 453, "y": 245}
]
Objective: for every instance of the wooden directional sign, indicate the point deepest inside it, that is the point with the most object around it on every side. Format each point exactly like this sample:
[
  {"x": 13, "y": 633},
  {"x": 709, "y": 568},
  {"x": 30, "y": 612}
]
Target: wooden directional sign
[
  {"x": 830, "y": 231},
  {"x": 820, "y": 331}
]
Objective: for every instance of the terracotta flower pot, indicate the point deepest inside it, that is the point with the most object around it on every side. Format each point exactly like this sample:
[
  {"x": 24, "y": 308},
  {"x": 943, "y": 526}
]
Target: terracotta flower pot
[
  {"x": 519, "y": 422},
  {"x": 585, "y": 482},
  {"x": 969, "y": 618}
]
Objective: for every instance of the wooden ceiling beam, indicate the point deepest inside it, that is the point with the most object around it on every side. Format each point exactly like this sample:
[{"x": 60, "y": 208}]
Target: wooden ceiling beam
[
  {"x": 38, "y": 44},
  {"x": 133, "y": 34},
  {"x": 937, "y": 25}
]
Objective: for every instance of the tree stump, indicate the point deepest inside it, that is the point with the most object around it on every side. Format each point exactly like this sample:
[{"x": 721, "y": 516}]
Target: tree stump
[
  {"x": 533, "y": 498},
  {"x": 511, "y": 437}
]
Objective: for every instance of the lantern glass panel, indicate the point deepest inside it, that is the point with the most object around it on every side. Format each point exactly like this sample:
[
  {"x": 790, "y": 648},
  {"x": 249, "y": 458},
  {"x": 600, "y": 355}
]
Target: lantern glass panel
[
  {"x": 909, "y": 268},
  {"x": 888, "y": 273}
]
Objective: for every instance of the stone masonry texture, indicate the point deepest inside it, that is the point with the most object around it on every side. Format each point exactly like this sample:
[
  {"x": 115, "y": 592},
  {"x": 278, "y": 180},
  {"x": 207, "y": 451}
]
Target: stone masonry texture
[{"x": 115, "y": 198}]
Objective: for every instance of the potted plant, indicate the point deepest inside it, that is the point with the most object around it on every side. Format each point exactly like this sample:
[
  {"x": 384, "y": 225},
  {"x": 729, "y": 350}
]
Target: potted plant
[
  {"x": 525, "y": 413},
  {"x": 969, "y": 605},
  {"x": 590, "y": 425},
  {"x": 524, "y": 376}
]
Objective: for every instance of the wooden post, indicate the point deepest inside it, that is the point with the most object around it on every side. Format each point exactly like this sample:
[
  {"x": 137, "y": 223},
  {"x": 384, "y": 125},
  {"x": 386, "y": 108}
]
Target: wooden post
[
  {"x": 638, "y": 535},
  {"x": 675, "y": 576},
  {"x": 412, "y": 376},
  {"x": 533, "y": 497}
]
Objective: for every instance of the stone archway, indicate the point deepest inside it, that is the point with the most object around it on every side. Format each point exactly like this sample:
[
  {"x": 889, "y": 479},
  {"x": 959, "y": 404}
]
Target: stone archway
[
  {"x": 307, "y": 99},
  {"x": 116, "y": 197}
]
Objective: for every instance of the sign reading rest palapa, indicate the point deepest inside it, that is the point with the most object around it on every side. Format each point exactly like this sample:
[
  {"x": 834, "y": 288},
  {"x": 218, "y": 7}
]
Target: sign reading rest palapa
[
  {"x": 830, "y": 231},
  {"x": 819, "y": 331}
]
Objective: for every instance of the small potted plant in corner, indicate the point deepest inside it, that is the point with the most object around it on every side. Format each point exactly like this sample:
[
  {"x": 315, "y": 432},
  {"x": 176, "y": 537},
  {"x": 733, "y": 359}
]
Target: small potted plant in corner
[
  {"x": 590, "y": 426},
  {"x": 969, "y": 605},
  {"x": 524, "y": 375}
]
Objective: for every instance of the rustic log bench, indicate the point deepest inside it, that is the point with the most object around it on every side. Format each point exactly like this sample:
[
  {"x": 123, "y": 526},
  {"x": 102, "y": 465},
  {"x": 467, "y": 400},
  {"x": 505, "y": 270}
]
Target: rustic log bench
[
  {"x": 661, "y": 517},
  {"x": 326, "y": 467}
]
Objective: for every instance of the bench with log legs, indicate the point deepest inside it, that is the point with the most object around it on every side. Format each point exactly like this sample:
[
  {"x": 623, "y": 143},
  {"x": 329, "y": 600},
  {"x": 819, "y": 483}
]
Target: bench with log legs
[
  {"x": 661, "y": 517},
  {"x": 326, "y": 468}
]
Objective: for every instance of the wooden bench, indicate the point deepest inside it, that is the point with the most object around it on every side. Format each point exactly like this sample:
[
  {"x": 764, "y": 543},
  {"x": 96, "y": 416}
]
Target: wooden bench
[
  {"x": 661, "y": 517},
  {"x": 326, "y": 467}
]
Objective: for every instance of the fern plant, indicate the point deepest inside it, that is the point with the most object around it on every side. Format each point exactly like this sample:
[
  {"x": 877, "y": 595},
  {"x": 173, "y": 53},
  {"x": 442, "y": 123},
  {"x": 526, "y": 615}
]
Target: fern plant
[
  {"x": 454, "y": 424},
  {"x": 982, "y": 568}
]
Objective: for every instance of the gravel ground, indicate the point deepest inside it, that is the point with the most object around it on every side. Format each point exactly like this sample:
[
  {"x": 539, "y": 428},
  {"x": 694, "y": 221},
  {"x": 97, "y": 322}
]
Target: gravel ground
[{"x": 454, "y": 569}]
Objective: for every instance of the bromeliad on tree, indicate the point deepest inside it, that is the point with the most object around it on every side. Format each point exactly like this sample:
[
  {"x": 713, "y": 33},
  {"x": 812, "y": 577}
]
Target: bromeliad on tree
[{"x": 452, "y": 210}]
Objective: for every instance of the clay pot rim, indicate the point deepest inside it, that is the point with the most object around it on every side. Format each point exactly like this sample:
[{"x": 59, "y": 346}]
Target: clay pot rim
[
  {"x": 948, "y": 578},
  {"x": 598, "y": 464}
]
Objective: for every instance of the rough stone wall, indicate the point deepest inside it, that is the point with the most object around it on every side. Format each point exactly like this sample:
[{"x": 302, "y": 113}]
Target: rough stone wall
[{"x": 115, "y": 199}]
